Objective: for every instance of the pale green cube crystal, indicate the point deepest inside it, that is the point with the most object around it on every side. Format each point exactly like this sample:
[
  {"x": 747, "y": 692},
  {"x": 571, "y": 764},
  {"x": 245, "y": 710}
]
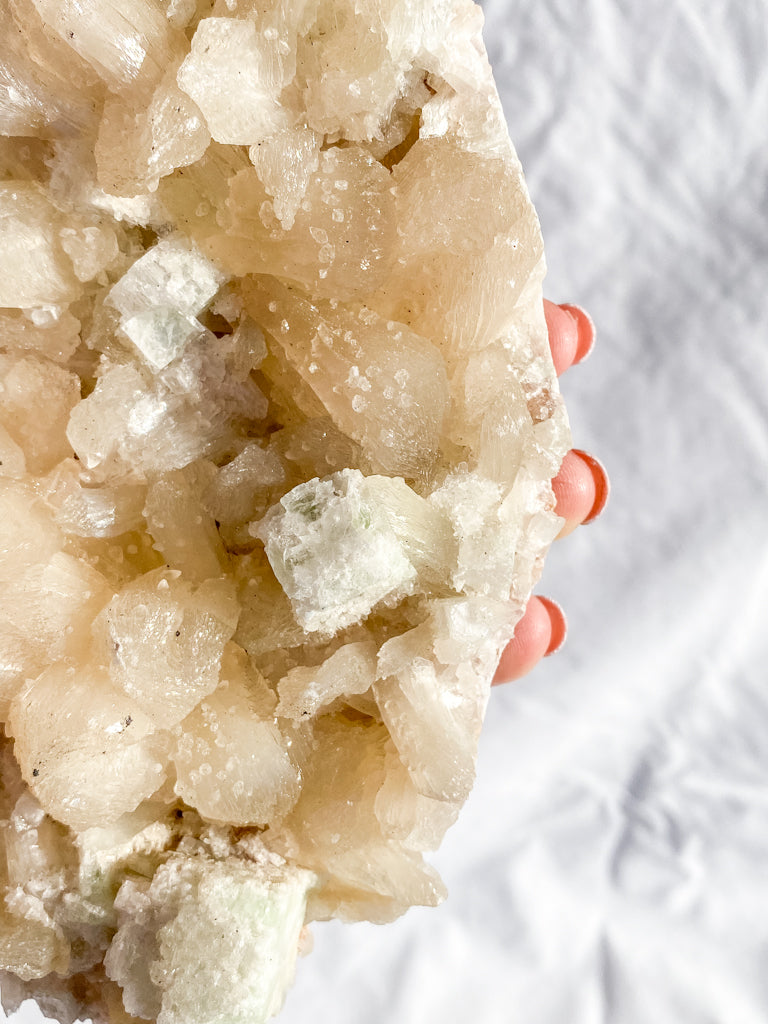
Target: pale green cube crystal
[
  {"x": 334, "y": 552},
  {"x": 172, "y": 274},
  {"x": 160, "y": 295},
  {"x": 161, "y": 334},
  {"x": 209, "y": 941}
]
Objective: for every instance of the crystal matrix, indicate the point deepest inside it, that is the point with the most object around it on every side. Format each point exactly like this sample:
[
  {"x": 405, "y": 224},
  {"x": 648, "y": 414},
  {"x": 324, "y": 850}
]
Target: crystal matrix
[{"x": 278, "y": 422}]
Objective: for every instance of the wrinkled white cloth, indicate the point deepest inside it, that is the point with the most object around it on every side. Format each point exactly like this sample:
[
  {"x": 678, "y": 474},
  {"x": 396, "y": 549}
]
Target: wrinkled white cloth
[{"x": 611, "y": 866}]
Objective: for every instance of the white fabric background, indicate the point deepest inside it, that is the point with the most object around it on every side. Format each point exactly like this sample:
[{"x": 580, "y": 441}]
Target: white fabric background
[{"x": 611, "y": 866}]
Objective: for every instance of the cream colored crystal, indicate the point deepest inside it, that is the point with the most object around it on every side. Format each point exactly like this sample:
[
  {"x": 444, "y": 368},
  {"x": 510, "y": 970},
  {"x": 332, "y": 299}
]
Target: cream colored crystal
[
  {"x": 34, "y": 269},
  {"x": 304, "y": 692},
  {"x": 383, "y": 385},
  {"x": 251, "y": 788},
  {"x": 233, "y": 76},
  {"x": 85, "y": 745},
  {"x": 164, "y": 639},
  {"x": 278, "y": 421}
]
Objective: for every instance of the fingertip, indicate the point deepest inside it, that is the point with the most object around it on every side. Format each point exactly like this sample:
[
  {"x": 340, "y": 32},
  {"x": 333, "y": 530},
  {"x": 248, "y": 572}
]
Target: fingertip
[
  {"x": 575, "y": 491},
  {"x": 563, "y": 335},
  {"x": 585, "y": 331},
  {"x": 581, "y": 488},
  {"x": 540, "y": 632},
  {"x": 558, "y": 625},
  {"x": 601, "y": 482}
]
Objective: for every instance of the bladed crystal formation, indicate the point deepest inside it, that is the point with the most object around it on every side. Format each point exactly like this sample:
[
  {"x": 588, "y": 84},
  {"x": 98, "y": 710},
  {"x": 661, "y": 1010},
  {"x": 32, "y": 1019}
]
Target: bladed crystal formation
[{"x": 278, "y": 421}]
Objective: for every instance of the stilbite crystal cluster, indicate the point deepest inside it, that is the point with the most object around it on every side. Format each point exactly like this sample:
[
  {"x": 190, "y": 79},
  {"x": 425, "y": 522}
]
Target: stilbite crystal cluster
[{"x": 278, "y": 421}]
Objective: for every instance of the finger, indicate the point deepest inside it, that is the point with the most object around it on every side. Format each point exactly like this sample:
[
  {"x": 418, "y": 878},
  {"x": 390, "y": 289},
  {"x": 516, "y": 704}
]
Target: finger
[
  {"x": 581, "y": 489},
  {"x": 539, "y": 633},
  {"x": 571, "y": 334}
]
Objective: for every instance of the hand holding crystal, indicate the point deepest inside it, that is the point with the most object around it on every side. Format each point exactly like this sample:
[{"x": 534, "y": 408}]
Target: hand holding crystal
[{"x": 581, "y": 488}]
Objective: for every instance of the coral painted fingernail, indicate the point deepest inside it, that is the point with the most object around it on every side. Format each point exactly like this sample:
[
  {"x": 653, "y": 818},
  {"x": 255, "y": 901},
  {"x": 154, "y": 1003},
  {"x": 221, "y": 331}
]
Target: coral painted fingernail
[
  {"x": 602, "y": 484},
  {"x": 559, "y": 625},
  {"x": 586, "y": 328}
]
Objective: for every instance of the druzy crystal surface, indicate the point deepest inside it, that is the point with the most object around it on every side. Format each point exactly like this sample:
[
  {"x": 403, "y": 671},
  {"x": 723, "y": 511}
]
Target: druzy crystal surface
[{"x": 278, "y": 421}]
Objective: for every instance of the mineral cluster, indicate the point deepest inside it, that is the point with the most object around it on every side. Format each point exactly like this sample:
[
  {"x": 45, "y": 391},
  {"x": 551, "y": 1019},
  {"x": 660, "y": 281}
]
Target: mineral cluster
[{"x": 278, "y": 421}]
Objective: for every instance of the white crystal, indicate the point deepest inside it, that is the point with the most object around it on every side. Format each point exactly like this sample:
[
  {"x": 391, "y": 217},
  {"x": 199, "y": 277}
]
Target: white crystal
[
  {"x": 132, "y": 426},
  {"x": 284, "y": 163},
  {"x": 349, "y": 671},
  {"x": 172, "y": 275}
]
